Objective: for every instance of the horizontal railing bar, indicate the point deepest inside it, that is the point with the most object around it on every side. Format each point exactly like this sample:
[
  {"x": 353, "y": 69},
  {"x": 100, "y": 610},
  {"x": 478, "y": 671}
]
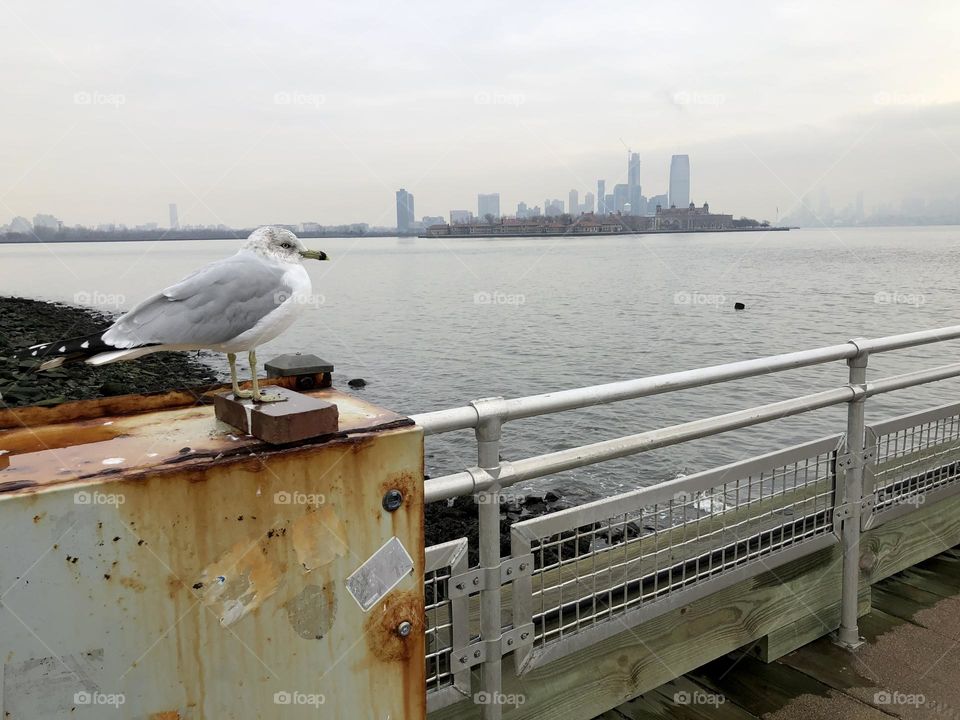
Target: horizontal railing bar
[
  {"x": 918, "y": 377},
  {"x": 461, "y": 418},
  {"x": 475, "y": 480},
  {"x": 467, "y": 483}
]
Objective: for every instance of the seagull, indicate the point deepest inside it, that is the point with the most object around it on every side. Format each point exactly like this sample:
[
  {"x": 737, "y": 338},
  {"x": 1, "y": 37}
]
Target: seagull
[{"x": 231, "y": 305}]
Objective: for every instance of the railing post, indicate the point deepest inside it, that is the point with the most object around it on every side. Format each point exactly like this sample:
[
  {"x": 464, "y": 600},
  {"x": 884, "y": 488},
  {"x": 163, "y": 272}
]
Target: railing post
[
  {"x": 488, "y": 458},
  {"x": 854, "y": 458}
]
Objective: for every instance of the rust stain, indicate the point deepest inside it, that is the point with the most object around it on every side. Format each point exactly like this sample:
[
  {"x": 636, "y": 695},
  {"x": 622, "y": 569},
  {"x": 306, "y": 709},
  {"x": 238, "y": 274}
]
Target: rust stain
[
  {"x": 133, "y": 584},
  {"x": 166, "y": 715},
  {"x": 404, "y": 482},
  {"x": 380, "y": 628},
  {"x": 319, "y": 537},
  {"x": 239, "y": 581}
]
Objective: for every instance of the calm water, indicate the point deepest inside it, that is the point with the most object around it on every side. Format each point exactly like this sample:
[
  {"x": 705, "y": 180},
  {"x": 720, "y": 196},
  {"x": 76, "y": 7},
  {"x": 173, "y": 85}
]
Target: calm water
[{"x": 434, "y": 323}]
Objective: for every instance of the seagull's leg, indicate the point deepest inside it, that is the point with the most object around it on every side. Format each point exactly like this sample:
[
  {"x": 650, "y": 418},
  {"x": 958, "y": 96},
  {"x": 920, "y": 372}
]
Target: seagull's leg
[
  {"x": 257, "y": 395},
  {"x": 237, "y": 392}
]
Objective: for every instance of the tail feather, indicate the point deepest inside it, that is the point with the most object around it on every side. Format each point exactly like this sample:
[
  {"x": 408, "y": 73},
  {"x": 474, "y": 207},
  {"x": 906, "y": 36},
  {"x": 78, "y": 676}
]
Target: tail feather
[{"x": 64, "y": 352}]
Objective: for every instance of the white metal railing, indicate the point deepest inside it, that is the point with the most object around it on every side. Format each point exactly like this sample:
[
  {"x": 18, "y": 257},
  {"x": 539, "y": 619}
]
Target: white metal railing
[{"x": 847, "y": 503}]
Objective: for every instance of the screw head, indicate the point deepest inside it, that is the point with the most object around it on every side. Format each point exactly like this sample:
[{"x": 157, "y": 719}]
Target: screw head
[
  {"x": 476, "y": 581},
  {"x": 404, "y": 628},
  {"x": 392, "y": 500},
  {"x": 509, "y": 571}
]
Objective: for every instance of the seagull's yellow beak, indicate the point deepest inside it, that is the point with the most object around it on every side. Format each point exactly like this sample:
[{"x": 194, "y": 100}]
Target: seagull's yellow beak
[{"x": 313, "y": 255}]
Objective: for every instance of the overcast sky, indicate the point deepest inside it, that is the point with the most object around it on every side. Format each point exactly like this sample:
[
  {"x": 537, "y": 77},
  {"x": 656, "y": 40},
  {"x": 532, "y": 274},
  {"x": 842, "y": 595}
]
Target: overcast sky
[{"x": 288, "y": 112}]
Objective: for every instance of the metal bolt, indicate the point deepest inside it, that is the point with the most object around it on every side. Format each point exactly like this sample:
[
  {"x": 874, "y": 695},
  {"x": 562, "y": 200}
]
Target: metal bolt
[
  {"x": 509, "y": 571},
  {"x": 509, "y": 641},
  {"x": 404, "y": 628},
  {"x": 459, "y": 586},
  {"x": 524, "y": 636},
  {"x": 463, "y": 660},
  {"x": 392, "y": 500},
  {"x": 476, "y": 581},
  {"x": 476, "y": 653},
  {"x": 523, "y": 566}
]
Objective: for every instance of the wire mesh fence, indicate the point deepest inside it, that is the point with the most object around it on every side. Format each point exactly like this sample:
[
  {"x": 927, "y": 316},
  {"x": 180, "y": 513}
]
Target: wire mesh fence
[
  {"x": 602, "y": 562},
  {"x": 914, "y": 455}
]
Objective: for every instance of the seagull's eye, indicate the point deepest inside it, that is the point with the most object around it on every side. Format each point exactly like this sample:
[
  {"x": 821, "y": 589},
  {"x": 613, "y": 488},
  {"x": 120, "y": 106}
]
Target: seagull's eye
[{"x": 286, "y": 245}]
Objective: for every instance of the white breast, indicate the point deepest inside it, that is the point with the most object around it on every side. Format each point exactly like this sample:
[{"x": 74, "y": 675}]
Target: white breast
[{"x": 279, "y": 319}]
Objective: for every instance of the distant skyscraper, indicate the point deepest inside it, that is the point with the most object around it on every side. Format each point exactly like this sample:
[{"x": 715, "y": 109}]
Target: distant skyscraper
[
  {"x": 633, "y": 183},
  {"x": 522, "y": 211},
  {"x": 588, "y": 202},
  {"x": 680, "y": 181},
  {"x": 574, "y": 203},
  {"x": 405, "y": 216},
  {"x": 621, "y": 196},
  {"x": 608, "y": 203},
  {"x": 654, "y": 201},
  {"x": 460, "y": 216},
  {"x": 488, "y": 204},
  {"x": 174, "y": 217},
  {"x": 602, "y": 197}
]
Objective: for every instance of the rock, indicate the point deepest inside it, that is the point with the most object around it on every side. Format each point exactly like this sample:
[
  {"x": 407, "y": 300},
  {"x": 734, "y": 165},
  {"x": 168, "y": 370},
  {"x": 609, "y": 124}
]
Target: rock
[
  {"x": 109, "y": 389},
  {"x": 357, "y": 383},
  {"x": 552, "y": 496}
]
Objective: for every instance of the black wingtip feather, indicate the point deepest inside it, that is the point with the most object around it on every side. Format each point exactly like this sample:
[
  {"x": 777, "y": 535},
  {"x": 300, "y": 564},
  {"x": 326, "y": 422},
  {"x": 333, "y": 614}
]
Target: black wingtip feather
[{"x": 63, "y": 352}]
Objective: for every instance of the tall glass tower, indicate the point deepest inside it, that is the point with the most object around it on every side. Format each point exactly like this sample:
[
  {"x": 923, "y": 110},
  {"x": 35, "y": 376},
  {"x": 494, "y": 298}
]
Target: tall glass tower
[{"x": 680, "y": 181}]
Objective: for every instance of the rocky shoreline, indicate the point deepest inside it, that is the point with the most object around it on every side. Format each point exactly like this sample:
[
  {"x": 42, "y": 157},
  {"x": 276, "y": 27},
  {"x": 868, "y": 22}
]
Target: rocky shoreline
[{"x": 25, "y": 322}]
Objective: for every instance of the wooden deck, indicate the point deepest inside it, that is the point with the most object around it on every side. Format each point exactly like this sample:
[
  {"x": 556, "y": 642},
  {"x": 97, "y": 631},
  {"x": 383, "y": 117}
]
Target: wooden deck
[{"x": 909, "y": 665}]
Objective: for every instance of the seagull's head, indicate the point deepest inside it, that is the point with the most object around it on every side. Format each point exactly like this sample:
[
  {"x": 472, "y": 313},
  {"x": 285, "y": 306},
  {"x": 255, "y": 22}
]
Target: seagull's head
[{"x": 280, "y": 245}]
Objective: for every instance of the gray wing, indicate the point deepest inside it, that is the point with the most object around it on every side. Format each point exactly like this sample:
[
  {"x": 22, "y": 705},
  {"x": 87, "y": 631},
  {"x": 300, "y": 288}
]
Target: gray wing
[{"x": 215, "y": 304}]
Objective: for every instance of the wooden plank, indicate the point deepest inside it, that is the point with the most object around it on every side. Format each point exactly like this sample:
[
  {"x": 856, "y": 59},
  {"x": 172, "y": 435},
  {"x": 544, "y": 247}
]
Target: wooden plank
[
  {"x": 903, "y": 669},
  {"x": 590, "y": 681},
  {"x": 806, "y": 629},
  {"x": 921, "y": 607},
  {"x": 764, "y": 689},
  {"x": 910, "y": 539},
  {"x": 682, "y": 699}
]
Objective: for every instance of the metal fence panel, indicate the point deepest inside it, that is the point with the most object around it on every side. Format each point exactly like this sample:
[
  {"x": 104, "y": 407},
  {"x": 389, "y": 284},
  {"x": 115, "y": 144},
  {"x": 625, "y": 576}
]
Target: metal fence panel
[
  {"x": 916, "y": 460},
  {"x": 603, "y": 567},
  {"x": 447, "y": 624}
]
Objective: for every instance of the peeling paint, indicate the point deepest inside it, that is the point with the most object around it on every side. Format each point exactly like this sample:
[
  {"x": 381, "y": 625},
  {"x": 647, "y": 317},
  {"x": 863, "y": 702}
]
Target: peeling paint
[
  {"x": 312, "y": 612},
  {"x": 239, "y": 581},
  {"x": 319, "y": 538}
]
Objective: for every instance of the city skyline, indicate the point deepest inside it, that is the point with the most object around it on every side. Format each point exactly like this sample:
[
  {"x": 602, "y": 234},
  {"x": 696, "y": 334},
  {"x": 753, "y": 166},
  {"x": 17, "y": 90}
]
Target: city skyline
[{"x": 765, "y": 97}]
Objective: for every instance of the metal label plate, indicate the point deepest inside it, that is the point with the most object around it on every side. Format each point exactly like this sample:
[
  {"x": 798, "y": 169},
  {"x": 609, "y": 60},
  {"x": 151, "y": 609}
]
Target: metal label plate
[{"x": 380, "y": 574}]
